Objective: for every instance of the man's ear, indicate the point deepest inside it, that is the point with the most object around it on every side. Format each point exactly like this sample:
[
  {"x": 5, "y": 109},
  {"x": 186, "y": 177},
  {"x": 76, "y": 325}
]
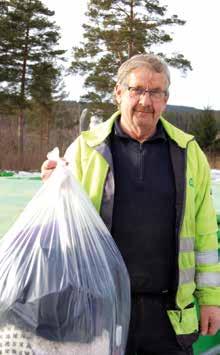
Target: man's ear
[
  {"x": 166, "y": 98},
  {"x": 118, "y": 92}
]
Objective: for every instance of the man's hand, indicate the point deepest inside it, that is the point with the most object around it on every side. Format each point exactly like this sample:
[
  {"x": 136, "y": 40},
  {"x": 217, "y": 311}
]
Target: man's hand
[
  {"x": 47, "y": 168},
  {"x": 209, "y": 320}
]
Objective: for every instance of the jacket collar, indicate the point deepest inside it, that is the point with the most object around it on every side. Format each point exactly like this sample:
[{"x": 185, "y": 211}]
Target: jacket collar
[
  {"x": 177, "y": 135},
  {"x": 100, "y": 132}
]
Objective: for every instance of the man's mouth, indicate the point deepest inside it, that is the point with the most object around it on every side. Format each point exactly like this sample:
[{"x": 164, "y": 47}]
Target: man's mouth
[{"x": 144, "y": 110}]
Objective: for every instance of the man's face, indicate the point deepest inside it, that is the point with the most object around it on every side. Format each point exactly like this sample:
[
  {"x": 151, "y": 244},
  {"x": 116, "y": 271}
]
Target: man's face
[{"x": 140, "y": 113}]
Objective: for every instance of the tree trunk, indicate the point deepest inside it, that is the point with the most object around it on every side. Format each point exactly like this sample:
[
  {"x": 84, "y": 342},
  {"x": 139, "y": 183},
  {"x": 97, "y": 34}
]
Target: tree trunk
[
  {"x": 20, "y": 131},
  {"x": 131, "y": 40},
  {"x": 41, "y": 135},
  {"x": 22, "y": 104},
  {"x": 47, "y": 130},
  {"x": 45, "y": 125}
]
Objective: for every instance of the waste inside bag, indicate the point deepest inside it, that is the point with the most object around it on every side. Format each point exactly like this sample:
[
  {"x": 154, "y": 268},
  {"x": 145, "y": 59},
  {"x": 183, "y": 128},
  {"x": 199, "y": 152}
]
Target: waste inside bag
[{"x": 64, "y": 286}]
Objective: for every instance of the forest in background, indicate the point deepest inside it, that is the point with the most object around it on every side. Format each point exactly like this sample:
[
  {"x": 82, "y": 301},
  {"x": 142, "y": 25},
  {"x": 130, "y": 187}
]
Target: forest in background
[
  {"x": 35, "y": 115},
  {"x": 42, "y": 134}
]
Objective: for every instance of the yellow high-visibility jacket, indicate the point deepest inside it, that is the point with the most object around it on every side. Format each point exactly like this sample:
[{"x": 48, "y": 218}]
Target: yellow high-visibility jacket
[{"x": 198, "y": 267}]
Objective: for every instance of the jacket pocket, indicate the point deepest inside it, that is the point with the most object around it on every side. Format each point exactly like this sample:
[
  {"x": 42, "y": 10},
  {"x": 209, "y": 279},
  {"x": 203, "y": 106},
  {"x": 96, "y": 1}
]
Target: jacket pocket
[
  {"x": 184, "y": 321},
  {"x": 185, "y": 325}
]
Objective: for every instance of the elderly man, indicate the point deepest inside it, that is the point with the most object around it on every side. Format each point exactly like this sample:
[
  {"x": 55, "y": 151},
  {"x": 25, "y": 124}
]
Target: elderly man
[{"x": 150, "y": 183}]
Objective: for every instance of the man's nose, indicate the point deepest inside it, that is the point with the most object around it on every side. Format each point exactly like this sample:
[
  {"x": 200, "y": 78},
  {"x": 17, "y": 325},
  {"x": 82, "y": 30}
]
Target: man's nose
[{"x": 145, "y": 99}]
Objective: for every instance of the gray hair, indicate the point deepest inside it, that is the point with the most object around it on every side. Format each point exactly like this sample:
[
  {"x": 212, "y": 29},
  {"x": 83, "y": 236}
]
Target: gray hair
[{"x": 150, "y": 61}]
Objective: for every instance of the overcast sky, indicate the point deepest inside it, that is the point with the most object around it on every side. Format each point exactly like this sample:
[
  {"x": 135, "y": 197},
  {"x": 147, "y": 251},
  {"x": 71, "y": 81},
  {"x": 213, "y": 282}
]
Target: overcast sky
[{"x": 198, "y": 40}]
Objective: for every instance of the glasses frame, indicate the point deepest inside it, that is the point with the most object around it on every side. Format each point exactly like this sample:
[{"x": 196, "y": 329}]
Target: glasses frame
[{"x": 154, "y": 94}]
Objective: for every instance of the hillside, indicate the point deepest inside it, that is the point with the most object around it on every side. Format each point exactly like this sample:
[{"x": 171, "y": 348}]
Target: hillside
[{"x": 175, "y": 108}]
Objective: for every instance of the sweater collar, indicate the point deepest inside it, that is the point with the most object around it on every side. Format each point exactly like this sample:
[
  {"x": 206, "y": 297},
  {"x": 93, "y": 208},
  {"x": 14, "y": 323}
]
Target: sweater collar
[{"x": 159, "y": 133}]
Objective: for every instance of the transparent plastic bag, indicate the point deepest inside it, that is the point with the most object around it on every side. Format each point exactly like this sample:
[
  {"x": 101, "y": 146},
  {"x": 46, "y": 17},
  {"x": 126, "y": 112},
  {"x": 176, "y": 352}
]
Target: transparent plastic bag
[{"x": 63, "y": 284}]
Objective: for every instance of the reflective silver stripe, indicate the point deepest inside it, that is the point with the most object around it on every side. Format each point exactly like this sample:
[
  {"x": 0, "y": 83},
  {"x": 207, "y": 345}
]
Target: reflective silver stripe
[
  {"x": 106, "y": 209},
  {"x": 187, "y": 275},
  {"x": 207, "y": 257},
  {"x": 208, "y": 279},
  {"x": 187, "y": 244}
]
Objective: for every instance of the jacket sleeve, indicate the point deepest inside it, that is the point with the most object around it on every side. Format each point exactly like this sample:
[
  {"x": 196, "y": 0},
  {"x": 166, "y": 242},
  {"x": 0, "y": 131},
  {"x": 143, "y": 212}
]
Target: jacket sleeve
[{"x": 206, "y": 243}]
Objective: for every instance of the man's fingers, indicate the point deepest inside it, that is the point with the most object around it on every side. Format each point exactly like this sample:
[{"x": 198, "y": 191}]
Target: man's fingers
[
  {"x": 209, "y": 319},
  {"x": 213, "y": 328},
  {"x": 204, "y": 324},
  {"x": 47, "y": 168},
  {"x": 49, "y": 164}
]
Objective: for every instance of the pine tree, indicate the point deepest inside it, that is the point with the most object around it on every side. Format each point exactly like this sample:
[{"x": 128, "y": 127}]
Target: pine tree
[
  {"x": 46, "y": 88},
  {"x": 116, "y": 30},
  {"x": 27, "y": 37},
  {"x": 205, "y": 128}
]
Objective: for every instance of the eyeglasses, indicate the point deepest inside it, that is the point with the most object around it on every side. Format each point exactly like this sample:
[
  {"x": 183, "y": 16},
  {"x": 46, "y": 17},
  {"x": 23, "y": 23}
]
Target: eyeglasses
[{"x": 155, "y": 94}]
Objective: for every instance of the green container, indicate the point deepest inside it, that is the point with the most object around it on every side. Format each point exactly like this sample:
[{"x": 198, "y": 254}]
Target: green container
[
  {"x": 206, "y": 344},
  {"x": 6, "y": 173},
  {"x": 15, "y": 193}
]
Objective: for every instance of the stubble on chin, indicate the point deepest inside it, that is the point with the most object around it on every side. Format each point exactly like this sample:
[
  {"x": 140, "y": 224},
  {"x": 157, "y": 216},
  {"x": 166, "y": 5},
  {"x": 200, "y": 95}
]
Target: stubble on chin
[{"x": 143, "y": 115}]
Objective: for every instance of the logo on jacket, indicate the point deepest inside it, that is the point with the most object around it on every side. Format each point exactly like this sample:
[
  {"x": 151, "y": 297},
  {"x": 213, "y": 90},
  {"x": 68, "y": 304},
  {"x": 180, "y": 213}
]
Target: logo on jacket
[{"x": 191, "y": 183}]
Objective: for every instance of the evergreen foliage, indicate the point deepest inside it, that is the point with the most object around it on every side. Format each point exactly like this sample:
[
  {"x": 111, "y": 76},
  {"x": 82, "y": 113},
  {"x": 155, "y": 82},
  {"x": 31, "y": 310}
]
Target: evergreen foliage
[
  {"x": 45, "y": 83},
  {"x": 64, "y": 129},
  {"x": 27, "y": 37},
  {"x": 205, "y": 129},
  {"x": 115, "y": 31},
  {"x": 45, "y": 89}
]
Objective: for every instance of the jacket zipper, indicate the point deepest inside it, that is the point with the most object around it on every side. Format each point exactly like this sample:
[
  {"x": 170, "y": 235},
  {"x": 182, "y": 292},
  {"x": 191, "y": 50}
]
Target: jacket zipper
[{"x": 141, "y": 174}]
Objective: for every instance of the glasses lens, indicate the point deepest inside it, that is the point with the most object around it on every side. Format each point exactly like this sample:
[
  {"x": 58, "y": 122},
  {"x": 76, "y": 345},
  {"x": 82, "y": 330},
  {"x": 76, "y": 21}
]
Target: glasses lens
[
  {"x": 134, "y": 92},
  {"x": 154, "y": 94}
]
